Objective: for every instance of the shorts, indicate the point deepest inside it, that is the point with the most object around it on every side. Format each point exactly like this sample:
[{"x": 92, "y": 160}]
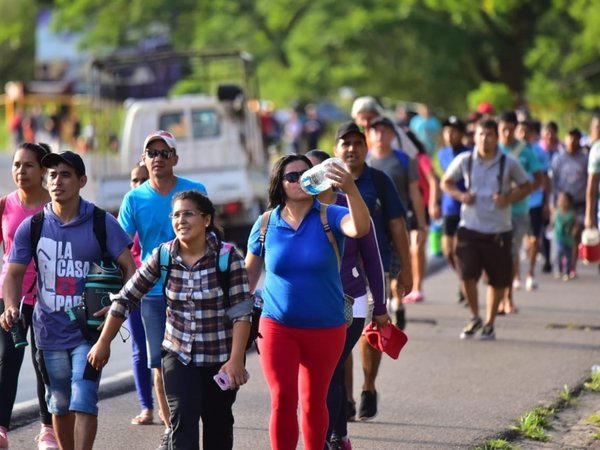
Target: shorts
[
  {"x": 536, "y": 221},
  {"x": 395, "y": 264},
  {"x": 520, "y": 227},
  {"x": 71, "y": 382},
  {"x": 370, "y": 305},
  {"x": 477, "y": 252},
  {"x": 154, "y": 319},
  {"x": 450, "y": 225},
  {"x": 412, "y": 224}
]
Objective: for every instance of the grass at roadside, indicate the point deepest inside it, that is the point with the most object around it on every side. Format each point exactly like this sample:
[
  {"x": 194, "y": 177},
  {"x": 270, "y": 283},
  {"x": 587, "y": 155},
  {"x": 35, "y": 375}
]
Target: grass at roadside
[
  {"x": 535, "y": 423},
  {"x": 498, "y": 444}
]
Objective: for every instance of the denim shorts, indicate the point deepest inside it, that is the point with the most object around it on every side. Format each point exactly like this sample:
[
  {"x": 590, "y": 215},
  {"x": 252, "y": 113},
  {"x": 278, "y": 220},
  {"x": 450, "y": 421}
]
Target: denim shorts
[
  {"x": 71, "y": 383},
  {"x": 154, "y": 318}
]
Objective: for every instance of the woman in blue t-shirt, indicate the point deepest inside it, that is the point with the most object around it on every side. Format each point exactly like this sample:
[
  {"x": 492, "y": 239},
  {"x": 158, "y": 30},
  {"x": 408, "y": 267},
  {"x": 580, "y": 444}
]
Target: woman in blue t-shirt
[{"x": 302, "y": 325}]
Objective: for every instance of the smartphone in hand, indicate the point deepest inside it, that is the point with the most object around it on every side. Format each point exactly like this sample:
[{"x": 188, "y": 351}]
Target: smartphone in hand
[{"x": 223, "y": 380}]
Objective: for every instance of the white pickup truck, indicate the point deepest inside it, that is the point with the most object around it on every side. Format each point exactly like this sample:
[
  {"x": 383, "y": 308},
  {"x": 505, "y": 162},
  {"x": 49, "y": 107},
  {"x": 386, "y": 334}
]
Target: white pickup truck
[{"x": 219, "y": 144}]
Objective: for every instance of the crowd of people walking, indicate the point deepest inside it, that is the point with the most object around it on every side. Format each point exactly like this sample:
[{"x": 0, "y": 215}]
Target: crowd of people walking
[{"x": 505, "y": 188}]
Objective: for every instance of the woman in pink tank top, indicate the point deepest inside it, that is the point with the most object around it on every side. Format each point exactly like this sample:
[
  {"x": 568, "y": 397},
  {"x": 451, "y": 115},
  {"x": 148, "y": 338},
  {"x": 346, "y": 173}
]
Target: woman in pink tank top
[{"x": 28, "y": 199}]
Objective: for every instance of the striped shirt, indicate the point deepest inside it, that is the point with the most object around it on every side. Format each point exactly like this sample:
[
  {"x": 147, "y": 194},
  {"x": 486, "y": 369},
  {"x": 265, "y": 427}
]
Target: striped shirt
[{"x": 198, "y": 329}]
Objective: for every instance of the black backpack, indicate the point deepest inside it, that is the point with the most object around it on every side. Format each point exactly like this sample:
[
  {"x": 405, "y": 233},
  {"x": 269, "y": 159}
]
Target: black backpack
[{"x": 105, "y": 277}]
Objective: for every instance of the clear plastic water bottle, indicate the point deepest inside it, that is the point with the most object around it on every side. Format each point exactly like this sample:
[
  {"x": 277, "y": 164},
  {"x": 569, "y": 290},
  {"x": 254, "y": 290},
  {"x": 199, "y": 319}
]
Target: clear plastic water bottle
[{"x": 314, "y": 181}]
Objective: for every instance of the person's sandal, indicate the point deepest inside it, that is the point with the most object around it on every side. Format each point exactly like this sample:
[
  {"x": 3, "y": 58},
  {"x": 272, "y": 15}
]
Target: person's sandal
[{"x": 144, "y": 418}]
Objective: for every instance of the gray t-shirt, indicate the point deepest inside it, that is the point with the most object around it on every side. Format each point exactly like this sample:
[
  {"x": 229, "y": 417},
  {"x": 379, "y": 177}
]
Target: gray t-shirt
[
  {"x": 393, "y": 168},
  {"x": 483, "y": 215},
  {"x": 569, "y": 174}
]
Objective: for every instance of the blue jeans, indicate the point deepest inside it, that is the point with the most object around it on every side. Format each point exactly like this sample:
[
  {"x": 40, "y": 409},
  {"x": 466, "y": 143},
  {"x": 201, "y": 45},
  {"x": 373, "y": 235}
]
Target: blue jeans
[
  {"x": 564, "y": 253},
  {"x": 154, "y": 318},
  {"x": 139, "y": 359},
  {"x": 71, "y": 382}
]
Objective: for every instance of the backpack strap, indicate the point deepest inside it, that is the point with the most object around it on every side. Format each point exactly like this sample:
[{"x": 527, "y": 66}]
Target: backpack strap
[
  {"x": 35, "y": 233},
  {"x": 501, "y": 172},
  {"x": 468, "y": 183},
  {"x": 164, "y": 254},
  {"x": 323, "y": 213},
  {"x": 223, "y": 266},
  {"x": 99, "y": 225},
  {"x": 378, "y": 178},
  {"x": 405, "y": 163},
  {"x": 264, "y": 224}
]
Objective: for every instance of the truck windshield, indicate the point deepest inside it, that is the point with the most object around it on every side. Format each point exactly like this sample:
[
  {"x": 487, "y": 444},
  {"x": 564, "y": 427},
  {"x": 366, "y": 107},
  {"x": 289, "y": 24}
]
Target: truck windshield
[{"x": 205, "y": 123}]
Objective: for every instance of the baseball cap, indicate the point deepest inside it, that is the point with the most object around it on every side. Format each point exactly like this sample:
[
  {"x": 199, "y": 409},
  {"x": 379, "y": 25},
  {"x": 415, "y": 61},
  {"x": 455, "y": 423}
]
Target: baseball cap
[
  {"x": 67, "y": 157},
  {"x": 163, "y": 135},
  {"x": 455, "y": 122},
  {"x": 389, "y": 339},
  {"x": 382, "y": 120},
  {"x": 485, "y": 108},
  {"x": 347, "y": 128}
]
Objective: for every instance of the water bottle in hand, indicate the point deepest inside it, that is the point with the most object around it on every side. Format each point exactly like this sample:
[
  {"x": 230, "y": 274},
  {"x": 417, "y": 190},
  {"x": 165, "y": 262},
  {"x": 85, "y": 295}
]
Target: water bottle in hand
[{"x": 314, "y": 181}]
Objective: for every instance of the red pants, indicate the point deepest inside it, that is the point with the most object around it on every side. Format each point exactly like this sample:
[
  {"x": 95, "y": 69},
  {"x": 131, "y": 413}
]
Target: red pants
[{"x": 299, "y": 363}]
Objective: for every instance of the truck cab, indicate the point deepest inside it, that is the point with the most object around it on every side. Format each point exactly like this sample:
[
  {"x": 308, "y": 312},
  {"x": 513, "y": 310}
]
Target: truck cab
[{"x": 219, "y": 143}]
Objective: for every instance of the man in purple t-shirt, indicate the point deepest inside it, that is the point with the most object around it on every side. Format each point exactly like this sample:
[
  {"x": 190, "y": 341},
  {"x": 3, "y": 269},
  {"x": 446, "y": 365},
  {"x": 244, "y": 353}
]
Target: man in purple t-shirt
[{"x": 65, "y": 251}]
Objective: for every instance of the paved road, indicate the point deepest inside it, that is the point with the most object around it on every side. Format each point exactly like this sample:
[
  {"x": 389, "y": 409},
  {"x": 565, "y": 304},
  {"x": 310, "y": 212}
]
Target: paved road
[{"x": 442, "y": 393}]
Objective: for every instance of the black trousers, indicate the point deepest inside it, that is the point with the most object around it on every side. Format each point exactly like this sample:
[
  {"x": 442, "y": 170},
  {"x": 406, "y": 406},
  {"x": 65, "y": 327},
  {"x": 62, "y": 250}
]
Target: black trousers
[
  {"x": 193, "y": 394},
  {"x": 11, "y": 359}
]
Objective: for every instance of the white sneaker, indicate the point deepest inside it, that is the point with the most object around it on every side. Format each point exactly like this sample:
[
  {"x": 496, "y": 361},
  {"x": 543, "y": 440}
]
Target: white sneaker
[
  {"x": 516, "y": 284},
  {"x": 531, "y": 284}
]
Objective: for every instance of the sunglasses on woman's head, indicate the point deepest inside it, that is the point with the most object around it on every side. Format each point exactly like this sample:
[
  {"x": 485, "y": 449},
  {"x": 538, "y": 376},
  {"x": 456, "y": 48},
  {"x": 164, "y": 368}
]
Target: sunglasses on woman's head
[{"x": 293, "y": 177}]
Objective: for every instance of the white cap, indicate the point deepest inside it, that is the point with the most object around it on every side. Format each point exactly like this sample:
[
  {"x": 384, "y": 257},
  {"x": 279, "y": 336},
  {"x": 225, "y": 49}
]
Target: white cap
[{"x": 164, "y": 136}]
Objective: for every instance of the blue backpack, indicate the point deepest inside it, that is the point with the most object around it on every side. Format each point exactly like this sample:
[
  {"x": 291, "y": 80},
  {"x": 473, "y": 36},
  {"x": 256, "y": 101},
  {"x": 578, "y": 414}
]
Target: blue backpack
[{"x": 222, "y": 268}]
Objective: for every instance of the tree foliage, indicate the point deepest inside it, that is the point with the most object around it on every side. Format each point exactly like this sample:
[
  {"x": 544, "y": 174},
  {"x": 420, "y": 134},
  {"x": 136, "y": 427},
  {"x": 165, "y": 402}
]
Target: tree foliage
[{"x": 544, "y": 52}]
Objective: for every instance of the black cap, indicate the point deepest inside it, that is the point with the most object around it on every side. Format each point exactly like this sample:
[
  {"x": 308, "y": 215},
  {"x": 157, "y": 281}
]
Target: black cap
[
  {"x": 382, "y": 120},
  {"x": 347, "y": 128},
  {"x": 67, "y": 157},
  {"x": 455, "y": 122}
]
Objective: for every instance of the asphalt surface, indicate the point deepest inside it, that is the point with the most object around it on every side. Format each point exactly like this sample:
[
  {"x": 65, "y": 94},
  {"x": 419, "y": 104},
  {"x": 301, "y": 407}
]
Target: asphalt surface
[{"x": 442, "y": 393}]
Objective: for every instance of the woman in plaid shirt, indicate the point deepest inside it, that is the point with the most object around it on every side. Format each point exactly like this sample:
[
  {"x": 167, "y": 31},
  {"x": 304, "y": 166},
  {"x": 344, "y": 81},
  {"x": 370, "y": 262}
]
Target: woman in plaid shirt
[{"x": 205, "y": 334}]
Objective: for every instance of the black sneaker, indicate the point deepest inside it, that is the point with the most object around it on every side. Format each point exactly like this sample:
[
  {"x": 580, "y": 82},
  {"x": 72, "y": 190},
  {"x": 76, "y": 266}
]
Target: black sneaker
[
  {"x": 547, "y": 267},
  {"x": 368, "y": 405},
  {"x": 165, "y": 439},
  {"x": 472, "y": 327},
  {"x": 350, "y": 411},
  {"x": 400, "y": 316},
  {"x": 461, "y": 297},
  {"x": 487, "y": 333}
]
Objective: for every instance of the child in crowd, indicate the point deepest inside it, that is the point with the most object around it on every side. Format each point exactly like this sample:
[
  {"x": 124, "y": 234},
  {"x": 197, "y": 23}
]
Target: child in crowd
[{"x": 565, "y": 222}]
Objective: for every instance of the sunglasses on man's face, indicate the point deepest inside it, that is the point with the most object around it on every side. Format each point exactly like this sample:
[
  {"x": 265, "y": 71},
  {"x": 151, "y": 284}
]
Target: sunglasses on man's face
[
  {"x": 293, "y": 177},
  {"x": 165, "y": 153}
]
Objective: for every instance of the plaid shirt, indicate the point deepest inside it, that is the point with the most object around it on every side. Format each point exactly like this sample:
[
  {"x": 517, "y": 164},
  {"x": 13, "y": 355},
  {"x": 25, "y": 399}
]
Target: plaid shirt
[{"x": 197, "y": 329}]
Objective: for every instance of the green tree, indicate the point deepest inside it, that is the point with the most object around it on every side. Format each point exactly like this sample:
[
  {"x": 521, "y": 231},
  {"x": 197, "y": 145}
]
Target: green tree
[
  {"x": 17, "y": 40},
  {"x": 437, "y": 51}
]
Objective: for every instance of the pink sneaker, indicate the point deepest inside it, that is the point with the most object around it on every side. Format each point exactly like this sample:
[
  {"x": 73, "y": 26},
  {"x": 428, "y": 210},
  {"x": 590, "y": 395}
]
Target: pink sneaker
[
  {"x": 46, "y": 440},
  {"x": 3, "y": 437},
  {"x": 413, "y": 297}
]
